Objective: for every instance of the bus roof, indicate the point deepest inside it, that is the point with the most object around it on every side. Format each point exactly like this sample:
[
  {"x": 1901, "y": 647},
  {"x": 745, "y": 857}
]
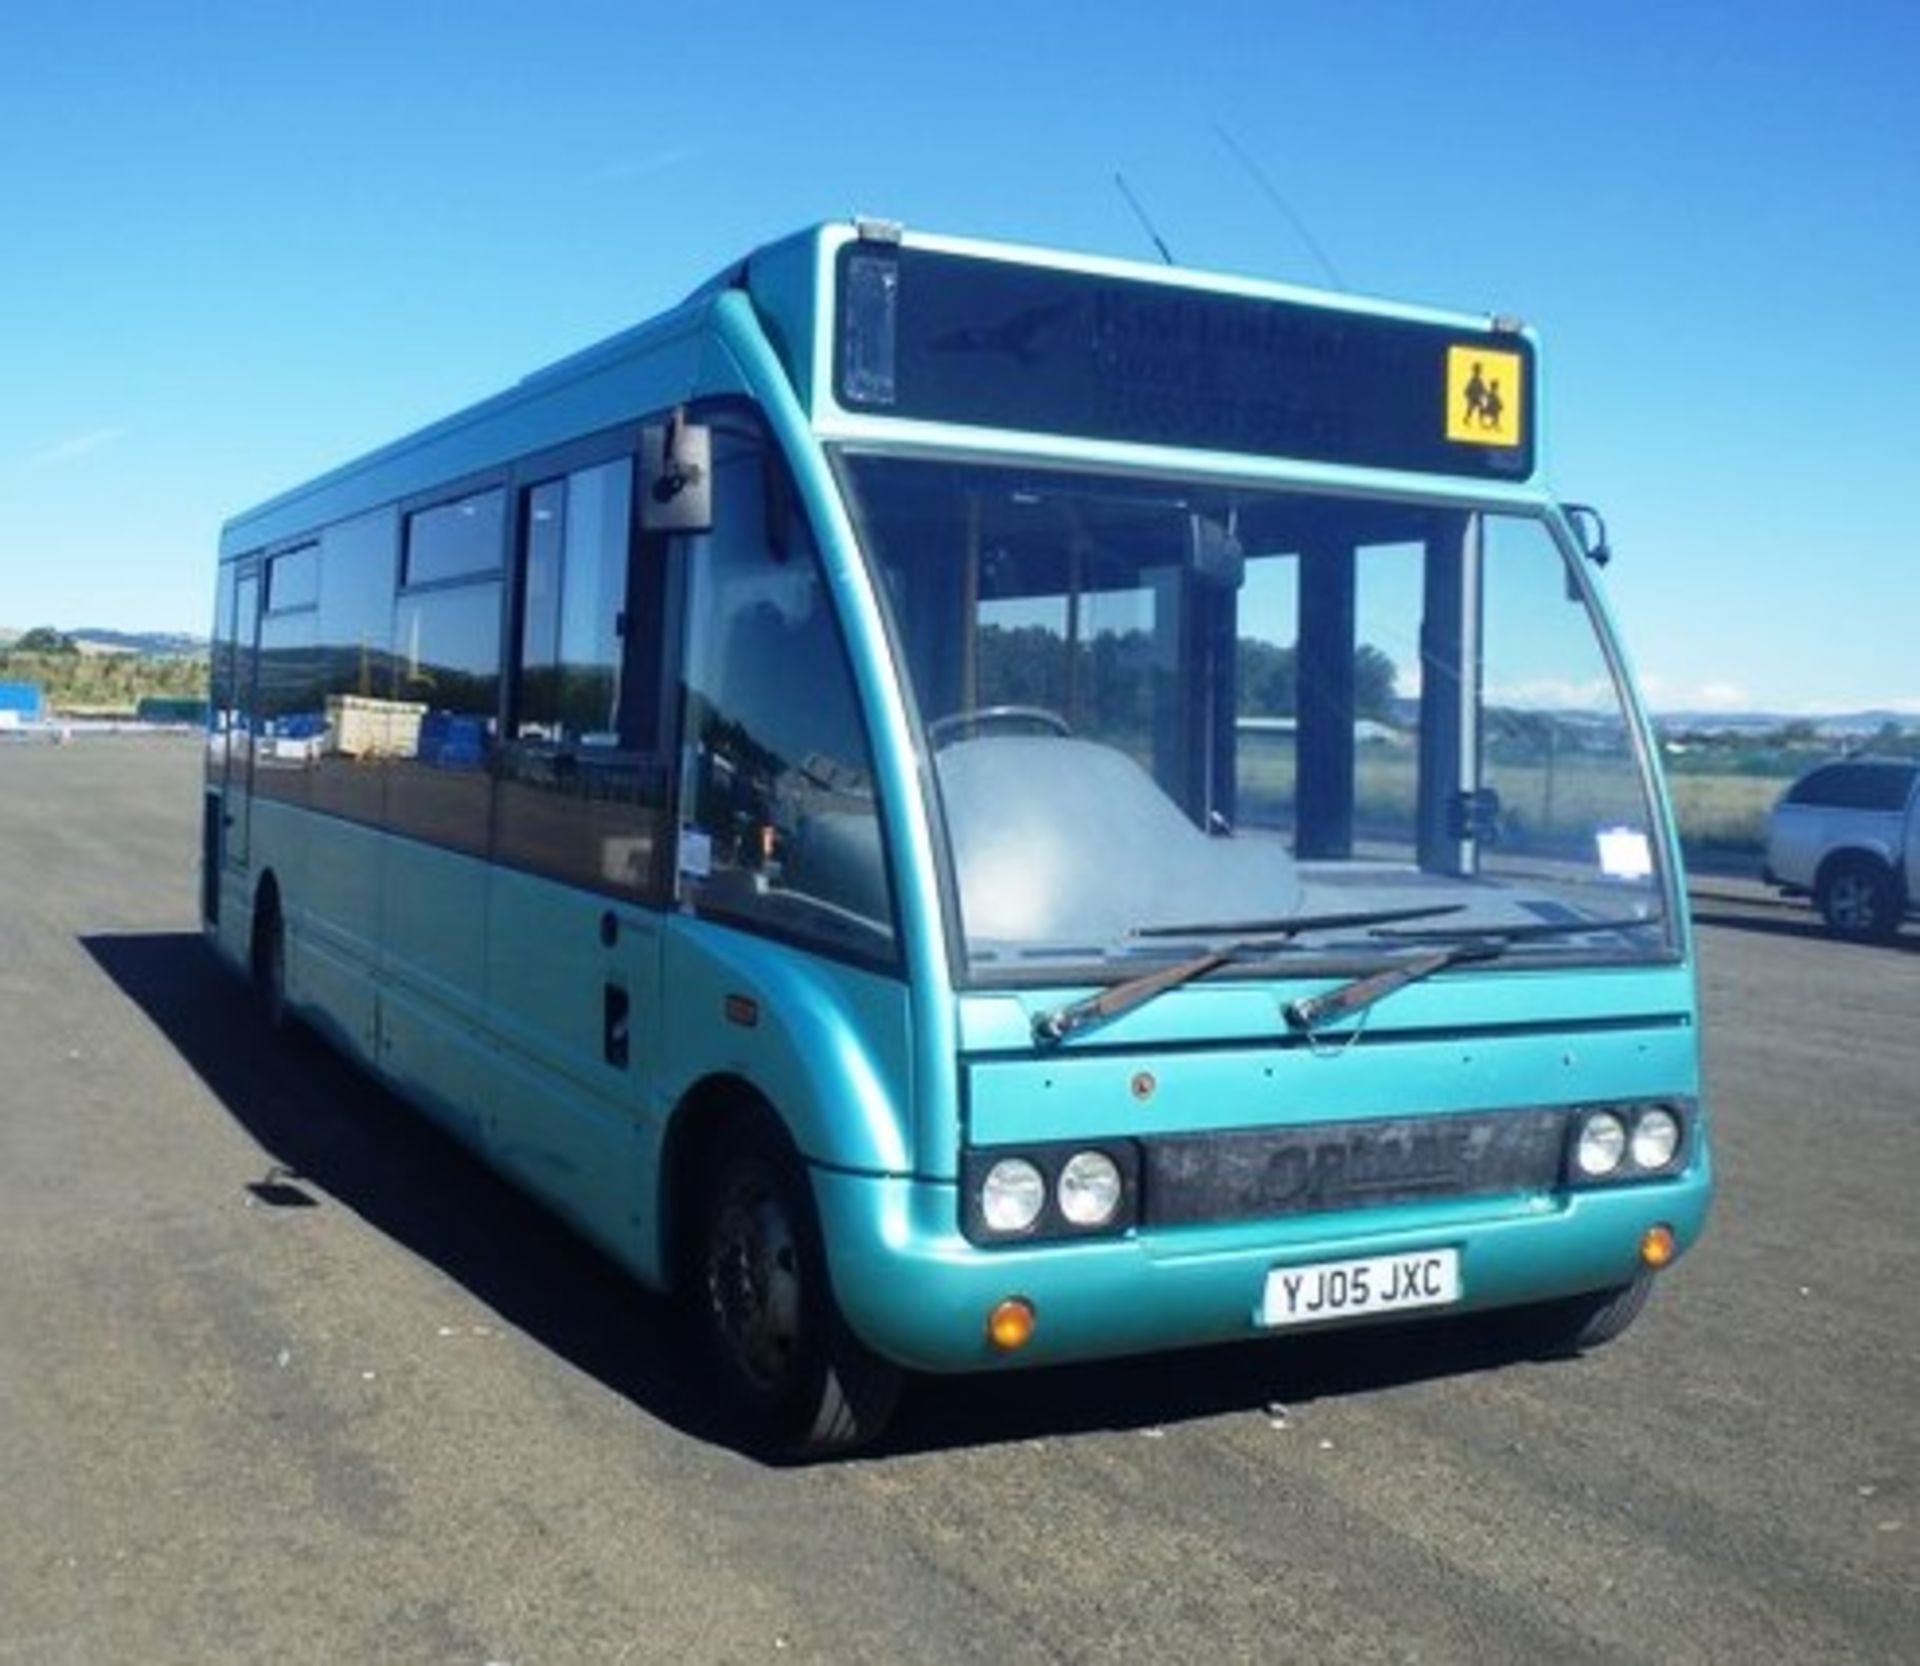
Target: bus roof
[
  {"x": 901, "y": 329},
  {"x": 877, "y": 326}
]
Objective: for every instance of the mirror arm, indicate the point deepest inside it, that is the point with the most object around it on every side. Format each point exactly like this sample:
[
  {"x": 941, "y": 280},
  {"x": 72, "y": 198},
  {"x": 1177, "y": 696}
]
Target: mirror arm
[
  {"x": 1590, "y": 527},
  {"x": 676, "y": 461}
]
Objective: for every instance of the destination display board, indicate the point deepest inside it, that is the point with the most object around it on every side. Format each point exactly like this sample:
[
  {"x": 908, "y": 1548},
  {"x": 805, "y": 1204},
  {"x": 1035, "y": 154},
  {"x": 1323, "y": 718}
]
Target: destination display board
[{"x": 956, "y": 338}]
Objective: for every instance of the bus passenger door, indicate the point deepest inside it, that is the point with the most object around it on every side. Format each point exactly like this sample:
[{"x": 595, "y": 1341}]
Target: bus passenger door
[
  {"x": 579, "y": 841},
  {"x": 240, "y": 633}
]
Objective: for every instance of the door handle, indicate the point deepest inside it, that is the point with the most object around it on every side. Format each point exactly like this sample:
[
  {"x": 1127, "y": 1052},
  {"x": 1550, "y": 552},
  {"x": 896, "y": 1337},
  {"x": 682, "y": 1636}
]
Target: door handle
[
  {"x": 611, "y": 922},
  {"x": 615, "y": 1011}
]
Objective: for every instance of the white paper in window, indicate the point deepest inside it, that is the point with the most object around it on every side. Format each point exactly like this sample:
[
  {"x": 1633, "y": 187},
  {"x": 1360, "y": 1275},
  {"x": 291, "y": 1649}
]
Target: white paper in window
[{"x": 1624, "y": 853}]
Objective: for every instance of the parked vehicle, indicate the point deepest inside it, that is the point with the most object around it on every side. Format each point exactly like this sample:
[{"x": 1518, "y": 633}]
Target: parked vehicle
[
  {"x": 964, "y": 807},
  {"x": 1847, "y": 834}
]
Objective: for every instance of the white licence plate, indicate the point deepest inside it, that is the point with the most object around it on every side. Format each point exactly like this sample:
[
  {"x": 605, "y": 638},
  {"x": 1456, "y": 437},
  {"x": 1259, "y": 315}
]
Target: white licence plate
[{"x": 1326, "y": 1290}]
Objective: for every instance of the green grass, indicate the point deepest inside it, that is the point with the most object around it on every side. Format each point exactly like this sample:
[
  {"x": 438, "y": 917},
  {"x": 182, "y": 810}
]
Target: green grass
[
  {"x": 89, "y": 685},
  {"x": 1723, "y": 815}
]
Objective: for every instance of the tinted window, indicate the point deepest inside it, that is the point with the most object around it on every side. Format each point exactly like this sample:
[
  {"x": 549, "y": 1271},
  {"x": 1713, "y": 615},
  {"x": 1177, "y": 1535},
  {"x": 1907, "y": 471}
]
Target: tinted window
[
  {"x": 293, "y": 579},
  {"x": 544, "y": 546},
  {"x": 223, "y": 679},
  {"x": 446, "y": 672},
  {"x": 364, "y": 726},
  {"x": 582, "y": 786},
  {"x": 455, "y": 540},
  {"x": 781, "y": 827},
  {"x": 576, "y": 593},
  {"x": 289, "y": 702},
  {"x": 1860, "y": 786}
]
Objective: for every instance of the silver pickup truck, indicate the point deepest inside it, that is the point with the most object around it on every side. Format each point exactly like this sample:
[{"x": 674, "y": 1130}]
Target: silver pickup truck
[{"x": 1847, "y": 834}]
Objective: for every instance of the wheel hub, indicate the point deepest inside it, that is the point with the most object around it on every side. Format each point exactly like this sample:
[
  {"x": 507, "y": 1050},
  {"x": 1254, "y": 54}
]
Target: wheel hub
[
  {"x": 753, "y": 1286},
  {"x": 1852, "y": 902}
]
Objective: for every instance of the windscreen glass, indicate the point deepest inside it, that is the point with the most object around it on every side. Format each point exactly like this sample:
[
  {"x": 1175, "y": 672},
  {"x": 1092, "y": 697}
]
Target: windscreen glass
[{"x": 1163, "y": 714}]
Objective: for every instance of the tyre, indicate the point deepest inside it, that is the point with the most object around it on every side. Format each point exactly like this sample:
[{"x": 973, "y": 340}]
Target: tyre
[
  {"x": 268, "y": 959},
  {"x": 1577, "y": 1323},
  {"x": 799, "y": 1382},
  {"x": 1856, "y": 898}
]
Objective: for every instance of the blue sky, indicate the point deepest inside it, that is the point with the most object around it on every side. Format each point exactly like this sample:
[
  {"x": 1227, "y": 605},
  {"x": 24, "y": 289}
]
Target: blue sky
[{"x": 241, "y": 243}]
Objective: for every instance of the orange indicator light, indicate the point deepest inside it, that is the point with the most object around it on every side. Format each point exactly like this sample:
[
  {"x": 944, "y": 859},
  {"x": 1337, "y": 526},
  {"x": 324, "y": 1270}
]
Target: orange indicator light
[
  {"x": 1010, "y": 1324},
  {"x": 1657, "y": 1247}
]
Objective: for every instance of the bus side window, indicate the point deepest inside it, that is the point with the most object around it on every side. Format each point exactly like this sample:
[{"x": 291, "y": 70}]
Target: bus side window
[
  {"x": 365, "y": 730},
  {"x": 581, "y": 790},
  {"x": 780, "y": 828},
  {"x": 445, "y": 688}
]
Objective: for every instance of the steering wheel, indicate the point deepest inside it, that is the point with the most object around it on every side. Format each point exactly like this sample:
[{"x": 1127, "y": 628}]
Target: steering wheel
[{"x": 956, "y": 725}]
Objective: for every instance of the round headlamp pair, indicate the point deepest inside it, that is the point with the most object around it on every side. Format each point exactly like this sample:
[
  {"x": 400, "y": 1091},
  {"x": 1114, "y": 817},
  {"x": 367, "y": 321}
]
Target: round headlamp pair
[
  {"x": 1606, "y": 1141},
  {"x": 1087, "y": 1193}
]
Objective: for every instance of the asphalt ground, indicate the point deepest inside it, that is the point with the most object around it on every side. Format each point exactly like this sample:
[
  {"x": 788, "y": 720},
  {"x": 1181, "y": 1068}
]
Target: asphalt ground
[{"x": 286, "y": 1376}]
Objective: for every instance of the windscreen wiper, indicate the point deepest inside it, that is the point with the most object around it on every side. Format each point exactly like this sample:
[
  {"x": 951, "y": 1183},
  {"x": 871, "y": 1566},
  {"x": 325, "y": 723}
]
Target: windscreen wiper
[
  {"x": 1053, "y": 1027},
  {"x": 1286, "y": 926},
  {"x": 1458, "y": 947}
]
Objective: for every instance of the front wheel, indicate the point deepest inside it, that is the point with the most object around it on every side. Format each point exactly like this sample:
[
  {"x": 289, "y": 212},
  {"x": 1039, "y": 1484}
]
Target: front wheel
[
  {"x": 1574, "y": 1324},
  {"x": 1856, "y": 898},
  {"x": 781, "y": 1355}
]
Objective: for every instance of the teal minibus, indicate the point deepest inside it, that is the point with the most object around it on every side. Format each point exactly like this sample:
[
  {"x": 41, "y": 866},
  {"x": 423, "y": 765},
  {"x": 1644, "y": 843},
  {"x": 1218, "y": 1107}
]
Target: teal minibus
[{"x": 963, "y": 807}]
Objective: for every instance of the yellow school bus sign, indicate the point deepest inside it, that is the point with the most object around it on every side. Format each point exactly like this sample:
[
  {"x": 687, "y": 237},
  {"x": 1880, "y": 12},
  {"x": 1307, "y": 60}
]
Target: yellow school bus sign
[{"x": 1485, "y": 388}]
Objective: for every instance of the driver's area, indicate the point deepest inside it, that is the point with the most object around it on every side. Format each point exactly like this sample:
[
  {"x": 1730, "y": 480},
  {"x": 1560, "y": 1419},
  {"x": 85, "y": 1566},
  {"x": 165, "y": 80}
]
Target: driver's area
[
  {"x": 779, "y": 821},
  {"x": 1150, "y": 701}
]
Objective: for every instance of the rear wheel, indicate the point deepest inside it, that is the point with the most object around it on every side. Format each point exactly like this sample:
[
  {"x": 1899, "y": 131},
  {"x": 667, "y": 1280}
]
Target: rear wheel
[
  {"x": 1856, "y": 899},
  {"x": 269, "y": 958},
  {"x": 799, "y": 1381}
]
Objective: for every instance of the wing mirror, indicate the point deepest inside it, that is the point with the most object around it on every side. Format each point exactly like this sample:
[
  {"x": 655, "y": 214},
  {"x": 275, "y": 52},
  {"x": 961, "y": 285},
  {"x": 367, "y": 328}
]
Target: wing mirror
[
  {"x": 1591, "y": 530},
  {"x": 676, "y": 470}
]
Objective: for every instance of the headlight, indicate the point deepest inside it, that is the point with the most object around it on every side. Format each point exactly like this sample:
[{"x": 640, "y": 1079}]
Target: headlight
[
  {"x": 1019, "y": 1197},
  {"x": 1656, "y": 1137},
  {"x": 1090, "y": 1188},
  {"x": 1601, "y": 1146},
  {"x": 1012, "y": 1195}
]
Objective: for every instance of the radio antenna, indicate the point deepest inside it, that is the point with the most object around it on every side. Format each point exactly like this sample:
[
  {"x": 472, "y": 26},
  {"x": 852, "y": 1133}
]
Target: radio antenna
[
  {"x": 1272, "y": 194},
  {"x": 1140, "y": 213}
]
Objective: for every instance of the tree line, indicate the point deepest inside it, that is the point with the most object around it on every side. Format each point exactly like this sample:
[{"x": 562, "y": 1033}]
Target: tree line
[
  {"x": 1109, "y": 676},
  {"x": 73, "y": 680}
]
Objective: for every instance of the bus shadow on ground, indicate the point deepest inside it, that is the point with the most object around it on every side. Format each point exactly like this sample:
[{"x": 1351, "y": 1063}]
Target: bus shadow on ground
[
  {"x": 332, "y": 1134},
  {"x": 1272, "y": 1379}
]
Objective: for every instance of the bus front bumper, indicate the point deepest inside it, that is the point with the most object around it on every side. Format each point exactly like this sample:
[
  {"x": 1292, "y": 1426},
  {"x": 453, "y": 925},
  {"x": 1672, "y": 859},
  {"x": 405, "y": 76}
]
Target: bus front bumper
[{"x": 919, "y": 1293}]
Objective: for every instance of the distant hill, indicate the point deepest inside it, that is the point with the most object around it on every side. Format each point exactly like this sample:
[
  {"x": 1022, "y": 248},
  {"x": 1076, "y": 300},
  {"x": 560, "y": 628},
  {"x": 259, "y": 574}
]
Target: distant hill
[
  {"x": 1829, "y": 723},
  {"x": 99, "y": 640},
  {"x": 157, "y": 643}
]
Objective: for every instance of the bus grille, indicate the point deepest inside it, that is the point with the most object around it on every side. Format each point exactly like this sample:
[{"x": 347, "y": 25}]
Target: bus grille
[{"x": 1248, "y": 1174}]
